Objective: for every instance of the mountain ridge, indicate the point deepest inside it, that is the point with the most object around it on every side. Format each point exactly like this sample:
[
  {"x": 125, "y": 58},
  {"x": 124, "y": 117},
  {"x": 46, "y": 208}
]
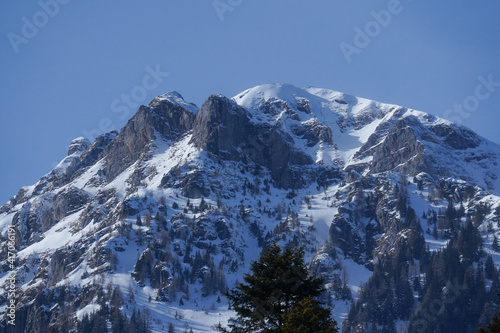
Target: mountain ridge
[{"x": 183, "y": 198}]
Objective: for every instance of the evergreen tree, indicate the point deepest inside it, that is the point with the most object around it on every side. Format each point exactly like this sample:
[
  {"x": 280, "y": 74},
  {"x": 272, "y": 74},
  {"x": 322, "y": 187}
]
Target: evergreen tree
[
  {"x": 203, "y": 205},
  {"x": 118, "y": 320},
  {"x": 494, "y": 325},
  {"x": 469, "y": 242},
  {"x": 403, "y": 298},
  {"x": 489, "y": 268},
  {"x": 278, "y": 282},
  {"x": 309, "y": 317},
  {"x": 85, "y": 325},
  {"x": 495, "y": 246}
]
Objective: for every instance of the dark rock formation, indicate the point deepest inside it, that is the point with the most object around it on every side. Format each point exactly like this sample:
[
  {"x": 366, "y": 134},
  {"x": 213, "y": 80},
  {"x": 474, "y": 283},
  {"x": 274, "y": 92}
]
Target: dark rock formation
[
  {"x": 68, "y": 201},
  {"x": 344, "y": 236},
  {"x": 78, "y": 145},
  {"x": 161, "y": 117},
  {"x": 313, "y": 132},
  {"x": 45, "y": 211},
  {"x": 400, "y": 150},
  {"x": 88, "y": 157},
  {"x": 169, "y": 119},
  {"x": 221, "y": 127},
  {"x": 193, "y": 186},
  {"x": 225, "y": 129},
  {"x": 457, "y": 137}
]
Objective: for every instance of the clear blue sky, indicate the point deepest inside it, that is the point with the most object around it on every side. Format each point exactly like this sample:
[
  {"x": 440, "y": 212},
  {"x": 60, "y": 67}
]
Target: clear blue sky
[{"x": 65, "y": 68}]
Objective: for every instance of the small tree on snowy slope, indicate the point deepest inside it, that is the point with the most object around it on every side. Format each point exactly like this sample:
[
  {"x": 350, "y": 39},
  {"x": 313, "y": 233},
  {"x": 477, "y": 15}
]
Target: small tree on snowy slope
[{"x": 275, "y": 292}]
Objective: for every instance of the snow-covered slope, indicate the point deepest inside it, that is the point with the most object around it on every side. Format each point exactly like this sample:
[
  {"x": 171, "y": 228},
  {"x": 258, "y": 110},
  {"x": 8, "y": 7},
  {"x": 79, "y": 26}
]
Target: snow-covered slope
[{"x": 358, "y": 127}]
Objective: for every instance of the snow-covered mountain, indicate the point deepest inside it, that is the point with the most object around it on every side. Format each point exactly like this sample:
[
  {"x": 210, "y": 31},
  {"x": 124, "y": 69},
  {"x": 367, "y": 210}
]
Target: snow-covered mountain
[{"x": 174, "y": 207}]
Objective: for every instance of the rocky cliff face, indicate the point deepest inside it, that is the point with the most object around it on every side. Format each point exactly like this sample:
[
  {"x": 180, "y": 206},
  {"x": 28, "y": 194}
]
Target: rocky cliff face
[
  {"x": 173, "y": 208},
  {"x": 226, "y": 130},
  {"x": 400, "y": 150},
  {"x": 161, "y": 118}
]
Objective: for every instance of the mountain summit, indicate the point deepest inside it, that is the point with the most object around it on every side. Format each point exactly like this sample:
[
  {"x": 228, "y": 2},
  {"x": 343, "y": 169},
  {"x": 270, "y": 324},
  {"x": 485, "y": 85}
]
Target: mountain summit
[{"x": 397, "y": 210}]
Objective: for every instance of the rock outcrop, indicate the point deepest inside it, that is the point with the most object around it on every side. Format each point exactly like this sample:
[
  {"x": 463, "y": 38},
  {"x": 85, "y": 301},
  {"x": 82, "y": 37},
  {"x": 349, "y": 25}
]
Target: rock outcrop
[
  {"x": 226, "y": 130},
  {"x": 400, "y": 151},
  {"x": 162, "y": 117}
]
